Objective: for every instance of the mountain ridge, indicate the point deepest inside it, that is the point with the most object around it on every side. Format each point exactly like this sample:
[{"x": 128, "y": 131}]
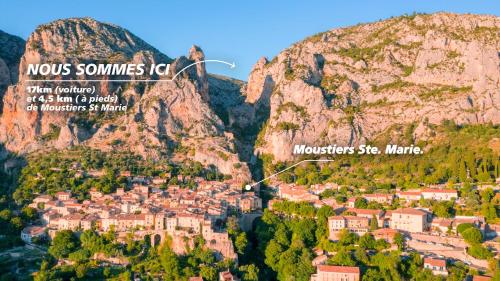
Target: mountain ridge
[
  {"x": 162, "y": 118},
  {"x": 383, "y": 81},
  {"x": 351, "y": 85}
]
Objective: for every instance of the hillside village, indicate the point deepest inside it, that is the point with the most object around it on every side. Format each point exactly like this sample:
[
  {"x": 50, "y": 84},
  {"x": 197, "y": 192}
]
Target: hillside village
[
  {"x": 436, "y": 238},
  {"x": 151, "y": 209},
  {"x": 158, "y": 191}
]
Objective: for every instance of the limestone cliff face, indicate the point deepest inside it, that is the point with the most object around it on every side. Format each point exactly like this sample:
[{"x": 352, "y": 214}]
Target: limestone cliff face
[
  {"x": 379, "y": 81},
  {"x": 11, "y": 50},
  {"x": 170, "y": 119}
]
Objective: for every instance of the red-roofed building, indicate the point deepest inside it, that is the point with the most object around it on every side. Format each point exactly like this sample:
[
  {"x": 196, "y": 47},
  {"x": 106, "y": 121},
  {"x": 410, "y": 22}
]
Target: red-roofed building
[
  {"x": 63, "y": 196},
  {"x": 409, "y": 195},
  {"x": 296, "y": 193},
  {"x": 437, "y": 266},
  {"x": 368, "y": 213},
  {"x": 411, "y": 220},
  {"x": 439, "y": 194},
  {"x": 358, "y": 225},
  {"x": 379, "y": 197},
  {"x": 336, "y": 273},
  {"x": 351, "y": 202},
  {"x": 31, "y": 232},
  {"x": 385, "y": 233}
]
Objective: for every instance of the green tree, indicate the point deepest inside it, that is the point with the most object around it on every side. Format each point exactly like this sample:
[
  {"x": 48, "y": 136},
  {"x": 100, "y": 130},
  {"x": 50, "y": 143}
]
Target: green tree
[
  {"x": 443, "y": 209},
  {"x": 272, "y": 254},
  {"x": 241, "y": 243},
  {"x": 295, "y": 264},
  {"x": 457, "y": 272},
  {"x": 343, "y": 257},
  {"x": 367, "y": 241},
  {"x": 360, "y": 203},
  {"x": 207, "y": 272},
  {"x": 347, "y": 238},
  {"x": 472, "y": 235},
  {"x": 29, "y": 213},
  {"x": 489, "y": 211},
  {"x": 81, "y": 270},
  {"x": 372, "y": 274},
  {"x": 399, "y": 240},
  {"x": 463, "y": 227},
  {"x": 479, "y": 252},
  {"x": 170, "y": 262},
  {"x": 381, "y": 244},
  {"x": 249, "y": 272},
  {"x": 426, "y": 275},
  {"x": 79, "y": 256},
  {"x": 322, "y": 221},
  {"x": 63, "y": 244}
]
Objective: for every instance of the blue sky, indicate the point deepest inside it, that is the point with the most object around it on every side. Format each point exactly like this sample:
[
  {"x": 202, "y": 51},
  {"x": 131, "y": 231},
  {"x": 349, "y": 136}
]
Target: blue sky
[{"x": 239, "y": 31}]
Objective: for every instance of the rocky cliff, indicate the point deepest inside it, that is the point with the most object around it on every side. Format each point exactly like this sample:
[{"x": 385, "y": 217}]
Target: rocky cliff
[
  {"x": 164, "y": 119},
  {"x": 379, "y": 81},
  {"x": 388, "y": 81},
  {"x": 11, "y": 50}
]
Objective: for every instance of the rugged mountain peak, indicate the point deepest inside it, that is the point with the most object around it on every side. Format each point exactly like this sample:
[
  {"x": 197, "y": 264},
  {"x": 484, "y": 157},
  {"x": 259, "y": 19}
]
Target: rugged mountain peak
[
  {"x": 11, "y": 50},
  {"x": 197, "y": 55},
  {"x": 164, "y": 119},
  {"x": 370, "y": 81},
  {"x": 86, "y": 38}
]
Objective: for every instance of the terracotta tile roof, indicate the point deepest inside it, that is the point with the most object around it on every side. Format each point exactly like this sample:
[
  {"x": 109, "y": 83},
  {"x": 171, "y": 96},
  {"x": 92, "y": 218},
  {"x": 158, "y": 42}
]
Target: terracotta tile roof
[
  {"x": 33, "y": 230},
  {"x": 377, "y": 195},
  {"x": 435, "y": 262},
  {"x": 131, "y": 217},
  {"x": 339, "y": 269},
  {"x": 63, "y": 193},
  {"x": 365, "y": 211},
  {"x": 433, "y": 190},
  {"x": 409, "y": 211},
  {"x": 385, "y": 231},
  {"x": 407, "y": 193},
  {"x": 347, "y": 218},
  {"x": 75, "y": 216}
]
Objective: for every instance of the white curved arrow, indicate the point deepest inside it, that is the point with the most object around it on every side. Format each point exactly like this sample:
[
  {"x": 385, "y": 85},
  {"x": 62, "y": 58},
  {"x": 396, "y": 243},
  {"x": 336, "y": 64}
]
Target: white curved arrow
[
  {"x": 232, "y": 65},
  {"x": 249, "y": 186}
]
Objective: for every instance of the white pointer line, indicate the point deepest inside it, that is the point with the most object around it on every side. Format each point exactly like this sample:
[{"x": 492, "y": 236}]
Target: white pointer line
[
  {"x": 232, "y": 65},
  {"x": 249, "y": 186}
]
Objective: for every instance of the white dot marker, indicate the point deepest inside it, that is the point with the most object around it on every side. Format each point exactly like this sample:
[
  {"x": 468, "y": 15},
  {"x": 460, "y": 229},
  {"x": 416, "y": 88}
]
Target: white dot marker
[{"x": 248, "y": 187}]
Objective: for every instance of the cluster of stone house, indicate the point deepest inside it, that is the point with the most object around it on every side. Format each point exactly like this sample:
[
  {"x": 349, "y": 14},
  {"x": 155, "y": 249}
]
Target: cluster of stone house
[
  {"x": 336, "y": 273},
  {"x": 411, "y": 220},
  {"x": 147, "y": 210},
  {"x": 354, "y": 224},
  {"x": 406, "y": 220},
  {"x": 428, "y": 194},
  {"x": 437, "y": 266},
  {"x": 297, "y": 193}
]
